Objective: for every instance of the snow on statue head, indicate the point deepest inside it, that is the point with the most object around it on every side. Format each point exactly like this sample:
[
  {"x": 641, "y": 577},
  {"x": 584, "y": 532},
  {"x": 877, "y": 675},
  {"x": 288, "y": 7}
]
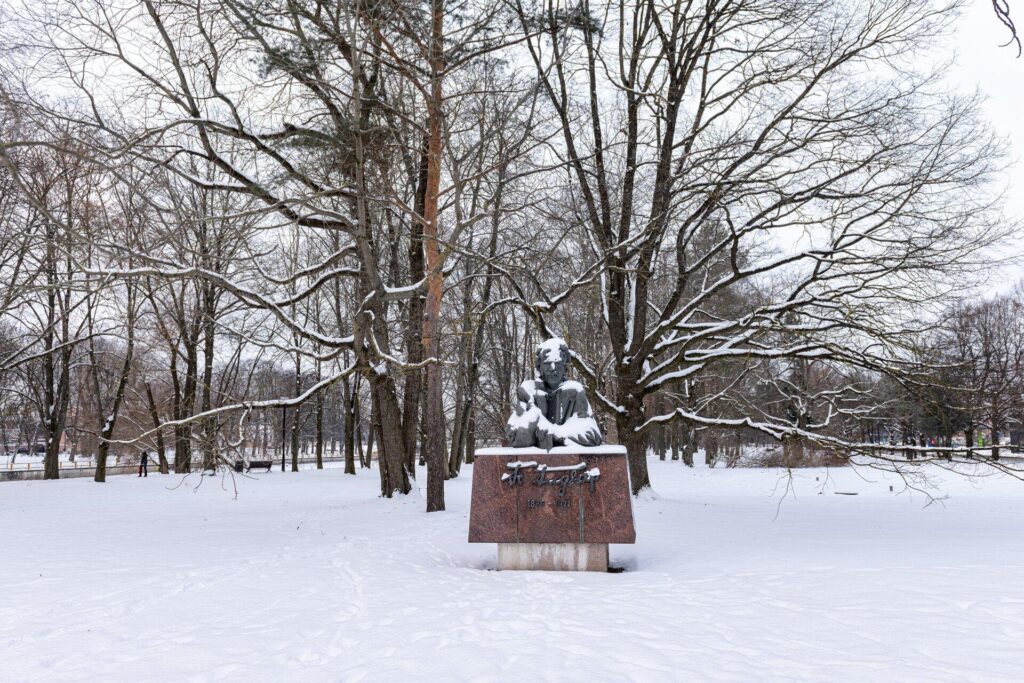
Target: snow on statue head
[
  {"x": 551, "y": 410},
  {"x": 552, "y": 359}
]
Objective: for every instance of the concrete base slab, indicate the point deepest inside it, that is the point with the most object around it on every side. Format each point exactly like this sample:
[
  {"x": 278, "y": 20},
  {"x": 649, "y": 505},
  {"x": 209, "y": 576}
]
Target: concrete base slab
[{"x": 564, "y": 557}]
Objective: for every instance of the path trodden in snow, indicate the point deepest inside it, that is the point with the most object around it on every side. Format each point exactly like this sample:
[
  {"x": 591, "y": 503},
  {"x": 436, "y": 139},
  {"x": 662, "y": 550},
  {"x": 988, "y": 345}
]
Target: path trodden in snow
[{"x": 311, "y": 577}]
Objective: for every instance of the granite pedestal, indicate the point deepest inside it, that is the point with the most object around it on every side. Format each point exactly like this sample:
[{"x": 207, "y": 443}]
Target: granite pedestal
[{"x": 555, "y": 510}]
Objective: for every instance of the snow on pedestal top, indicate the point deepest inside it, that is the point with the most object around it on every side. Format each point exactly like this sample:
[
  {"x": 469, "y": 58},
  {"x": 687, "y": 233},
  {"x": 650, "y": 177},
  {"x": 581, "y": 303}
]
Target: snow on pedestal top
[{"x": 557, "y": 450}]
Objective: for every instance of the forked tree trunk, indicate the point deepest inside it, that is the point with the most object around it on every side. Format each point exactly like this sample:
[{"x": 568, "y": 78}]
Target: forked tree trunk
[
  {"x": 391, "y": 449},
  {"x": 366, "y": 456}
]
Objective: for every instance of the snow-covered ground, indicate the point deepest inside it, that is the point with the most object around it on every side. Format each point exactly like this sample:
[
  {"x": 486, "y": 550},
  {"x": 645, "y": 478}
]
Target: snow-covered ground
[{"x": 312, "y": 577}]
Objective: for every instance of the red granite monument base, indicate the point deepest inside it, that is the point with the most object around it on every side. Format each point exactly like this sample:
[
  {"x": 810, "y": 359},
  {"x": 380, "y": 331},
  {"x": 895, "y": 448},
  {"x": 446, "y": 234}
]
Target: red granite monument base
[{"x": 556, "y": 509}]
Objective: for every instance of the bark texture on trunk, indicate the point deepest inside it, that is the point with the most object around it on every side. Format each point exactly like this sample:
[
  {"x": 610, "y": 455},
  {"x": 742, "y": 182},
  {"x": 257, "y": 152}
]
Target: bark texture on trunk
[
  {"x": 154, "y": 416},
  {"x": 635, "y": 444},
  {"x": 296, "y": 414},
  {"x": 391, "y": 448},
  {"x": 413, "y": 388},
  {"x": 350, "y": 432},
  {"x": 434, "y": 430}
]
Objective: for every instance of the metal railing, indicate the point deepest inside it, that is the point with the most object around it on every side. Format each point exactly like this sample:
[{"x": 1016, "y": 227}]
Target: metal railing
[{"x": 90, "y": 463}]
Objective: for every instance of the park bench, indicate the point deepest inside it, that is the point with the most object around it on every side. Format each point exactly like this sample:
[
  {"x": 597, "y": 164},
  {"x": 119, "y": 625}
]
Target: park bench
[{"x": 258, "y": 464}]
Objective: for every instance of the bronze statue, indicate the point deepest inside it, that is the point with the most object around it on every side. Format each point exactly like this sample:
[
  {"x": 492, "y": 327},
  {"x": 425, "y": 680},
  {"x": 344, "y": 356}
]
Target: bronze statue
[{"x": 552, "y": 411}]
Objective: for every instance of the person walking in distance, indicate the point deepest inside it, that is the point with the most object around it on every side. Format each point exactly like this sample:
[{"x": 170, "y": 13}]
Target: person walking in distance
[{"x": 144, "y": 465}]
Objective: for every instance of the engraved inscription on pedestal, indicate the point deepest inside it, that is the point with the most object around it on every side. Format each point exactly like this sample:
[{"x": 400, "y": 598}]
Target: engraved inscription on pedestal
[{"x": 566, "y": 495}]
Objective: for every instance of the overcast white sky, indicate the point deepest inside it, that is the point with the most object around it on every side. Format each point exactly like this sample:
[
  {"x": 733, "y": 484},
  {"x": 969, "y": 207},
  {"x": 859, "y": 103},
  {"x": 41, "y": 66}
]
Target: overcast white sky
[{"x": 999, "y": 74}]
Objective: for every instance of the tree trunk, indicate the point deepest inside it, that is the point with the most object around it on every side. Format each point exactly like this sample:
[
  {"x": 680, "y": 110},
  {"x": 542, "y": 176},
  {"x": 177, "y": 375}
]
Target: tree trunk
[
  {"x": 349, "y": 432},
  {"x": 115, "y": 408},
  {"x": 319, "y": 429},
  {"x": 690, "y": 444},
  {"x": 154, "y": 416},
  {"x": 413, "y": 388},
  {"x": 470, "y": 431},
  {"x": 391, "y": 449},
  {"x": 711, "y": 448},
  {"x": 434, "y": 426},
  {"x": 102, "y": 450},
  {"x": 284, "y": 435},
  {"x": 182, "y": 456},
  {"x": 366, "y": 457},
  {"x": 792, "y": 451},
  {"x": 209, "y": 424},
  {"x": 264, "y": 442},
  {"x": 51, "y": 460},
  {"x": 626, "y": 424},
  {"x": 636, "y": 453},
  {"x": 183, "y": 433},
  {"x": 296, "y": 424}
]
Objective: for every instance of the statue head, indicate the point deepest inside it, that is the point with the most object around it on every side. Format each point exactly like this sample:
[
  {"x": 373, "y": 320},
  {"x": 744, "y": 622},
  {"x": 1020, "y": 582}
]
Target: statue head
[{"x": 552, "y": 359}]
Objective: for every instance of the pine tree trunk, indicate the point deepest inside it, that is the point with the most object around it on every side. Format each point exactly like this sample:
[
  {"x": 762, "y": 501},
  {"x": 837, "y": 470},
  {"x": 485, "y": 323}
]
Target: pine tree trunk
[{"x": 434, "y": 426}]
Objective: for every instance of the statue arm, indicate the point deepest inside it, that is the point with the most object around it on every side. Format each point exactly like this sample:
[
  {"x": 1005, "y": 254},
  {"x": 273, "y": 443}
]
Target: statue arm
[
  {"x": 521, "y": 428},
  {"x": 589, "y": 433},
  {"x": 523, "y": 400}
]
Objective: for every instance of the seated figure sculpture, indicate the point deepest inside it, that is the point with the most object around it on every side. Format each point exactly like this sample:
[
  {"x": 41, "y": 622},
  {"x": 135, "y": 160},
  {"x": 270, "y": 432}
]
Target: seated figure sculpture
[{"x": 552, "y": 411}]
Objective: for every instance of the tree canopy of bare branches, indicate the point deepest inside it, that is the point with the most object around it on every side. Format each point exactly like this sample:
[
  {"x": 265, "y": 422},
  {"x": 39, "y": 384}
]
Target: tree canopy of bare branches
[{"x": 252, "y": 222}]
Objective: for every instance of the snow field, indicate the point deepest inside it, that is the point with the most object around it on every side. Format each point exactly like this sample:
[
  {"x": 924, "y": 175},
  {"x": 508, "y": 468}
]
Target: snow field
[{"x": 736, "y": 575}]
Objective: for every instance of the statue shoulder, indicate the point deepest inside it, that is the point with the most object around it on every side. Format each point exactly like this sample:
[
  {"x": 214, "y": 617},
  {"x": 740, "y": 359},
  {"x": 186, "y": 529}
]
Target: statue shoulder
[{"x": 573, "y": 386}]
